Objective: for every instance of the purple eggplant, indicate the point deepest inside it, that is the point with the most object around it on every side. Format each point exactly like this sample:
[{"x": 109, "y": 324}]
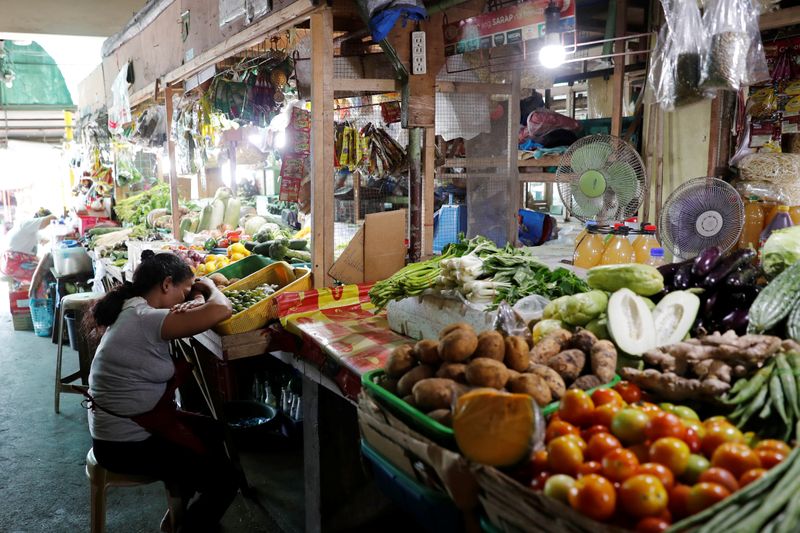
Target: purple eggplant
[
  {"x": 683, "y": 277},
  {"x": 706, "y": 261},
  {"x": 669, "y": 270},
  {"x": 711, "y": 304},
  {"x": 729, "y": 264},
  {"x": 742, "y": 278},
  {"x": 736, "y": 320}
]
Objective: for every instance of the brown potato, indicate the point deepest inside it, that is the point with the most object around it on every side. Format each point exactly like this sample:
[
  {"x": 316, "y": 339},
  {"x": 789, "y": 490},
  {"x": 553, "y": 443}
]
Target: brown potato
[
  {"x": 552, "y": 378},
  {"x": 443, "y": 416},
  {"x": 453, "y": 327},
  {"x": 409, "y": 399},
  {"x": 390, "y": 384},
  {"x": 407, "y": 382},
  {"x": 455, "y": 371},
  {"x": 458, "y": 346},
  {"x": 491, "y": 345},
  {"x": 534, "y": 386},
  {"x": 427, "y": 352},
  {"x": 589, "y": 381},
  {"x": 516, "y": 357},
  {"x": 603, "y": 359},
  {"x": 545, "y": 349},
  {"x": 569, "y": 364},
  {"x": 434, "y": 393},
  {"x": 485, "y": 372},
  {"x": 400, "y": 361},
  {"x": 512, "y": 374},
  {"x": 583, "y": 340}
]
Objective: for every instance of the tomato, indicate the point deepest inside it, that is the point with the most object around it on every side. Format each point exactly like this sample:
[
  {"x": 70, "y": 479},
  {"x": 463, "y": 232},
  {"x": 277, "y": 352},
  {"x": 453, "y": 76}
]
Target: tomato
[
  {"x": 665, "y": 425},
  {"x": 629, "y": 426},
  {"x": 559, "y": 428},
  {"x": 693, "y": 440},
  {"x": 630, "y": 392},
  {"x": 600, "y": 444},
  {"x": 750, "y": 476},
  {"x": 603, "y": 415},
  {"x": 679, "y": 501},
  {"x": 641, "y": 451},
  {"x": 620, "y": 464},
  {"x": 540, "y": 460},
  {"x": 685, "y": 413},
  {"x": 576, "y": 407},
  {"x": 672, "y": 453},
  {"x": 590, "y": 467},
  {"x": 696, "y": 465},
  {"x": 558, "y": 487},
  {"x": 663, "y": 473},
  {"x": 594, "y": 496},
  {"x": 719, "y": 433},
  {"x": 735, "y": 457},
  {"x": 715, "y": 420},
  {"x": 606, "y": 396},
  {"x": 667, "y": 407},
  {"x": 773, "y": 444},
  {"x": 643, "y": 495},
  {"x": 579, "y": 441},
  {"x": 590, "y": 432},
  {"x": 704, "y": 495},
  {"x": 539, "y": 480},
  {"x": 720, "y": 476},
  {"x": 223, "y": 243},
  {"x": 769, "y": 457},
  {"x": 564, "y": 455},
  {"x": 649, "y": 408},
  {"x": 652, "y": 524},
  {"x": 751, "y": 439}
]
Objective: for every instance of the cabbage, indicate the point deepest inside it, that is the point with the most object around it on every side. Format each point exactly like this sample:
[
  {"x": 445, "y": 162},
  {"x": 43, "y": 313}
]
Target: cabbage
[
  {"x": 253, "y": 224},
  {"x": 781, "y": 250}
]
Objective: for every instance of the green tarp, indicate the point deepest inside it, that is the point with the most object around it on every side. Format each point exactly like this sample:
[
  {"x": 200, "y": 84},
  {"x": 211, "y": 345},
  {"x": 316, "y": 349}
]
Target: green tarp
[{"x": 38, "y": 82}]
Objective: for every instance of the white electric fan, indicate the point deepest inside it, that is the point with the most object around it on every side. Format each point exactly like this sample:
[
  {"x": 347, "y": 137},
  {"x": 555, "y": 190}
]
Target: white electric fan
[
  {"x": 701, "y": 213},
  {"x": 601, "y": 178}
]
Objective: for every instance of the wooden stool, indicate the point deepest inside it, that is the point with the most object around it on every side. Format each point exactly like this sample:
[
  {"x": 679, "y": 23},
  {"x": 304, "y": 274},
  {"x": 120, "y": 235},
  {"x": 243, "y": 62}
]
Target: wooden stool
[
  {"x": 71, "y": 302},
  {"x": 100, "y": 479}
]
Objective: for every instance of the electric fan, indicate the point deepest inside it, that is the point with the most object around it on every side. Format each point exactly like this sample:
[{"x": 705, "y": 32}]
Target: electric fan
[
  {"x": 601, "y": 178},
  {"x": 702, "y": 212}
]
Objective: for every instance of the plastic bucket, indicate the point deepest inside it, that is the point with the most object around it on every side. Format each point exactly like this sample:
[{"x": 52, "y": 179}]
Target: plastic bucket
[
  {"x": 72, "y": 329},
  {"x": 42, "y": 316}
]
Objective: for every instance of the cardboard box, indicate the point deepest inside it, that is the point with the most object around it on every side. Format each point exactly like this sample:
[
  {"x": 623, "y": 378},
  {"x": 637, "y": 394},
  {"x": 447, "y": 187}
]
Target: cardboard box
[{"x": 377, "y": 250}]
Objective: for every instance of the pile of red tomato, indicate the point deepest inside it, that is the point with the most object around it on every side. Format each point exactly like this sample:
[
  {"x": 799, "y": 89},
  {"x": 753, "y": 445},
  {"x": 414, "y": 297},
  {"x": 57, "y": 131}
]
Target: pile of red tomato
[{"x": 618, "y": 459}]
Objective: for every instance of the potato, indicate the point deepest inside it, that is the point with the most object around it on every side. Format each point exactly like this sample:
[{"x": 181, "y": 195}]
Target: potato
[
  {"x": 552, "y": 378},
  {"x": 589, "y": 381},
  {"x": 491, "y": 345},
  {"x": 400, "y": 361},
  {"x": 390, "y": 384},
  {"x": 443, "y": 416},
  {"x": 583, "y": 340},
  {"x": 453, "y": 327},
  {"x": 434, "y": 393},
  {"x": 569, "y": 363},
  {"x": 516, "y": 357},
  {"x": 603, "y": 359},
  {"x": 427, "y": 351},
  {"x": 550, "y": 345},
  {"x": 534, "y": 386},
  {"x": 409, "y": 399},
  {"x": 561, "y": 335},
  {"x": 455, "y": 371},
  {"x": 407, "y": 382},
  {"x": 512, "y": 374},
  {"x": 458, "y": 346},
  {"x": 485, "y": 372}
]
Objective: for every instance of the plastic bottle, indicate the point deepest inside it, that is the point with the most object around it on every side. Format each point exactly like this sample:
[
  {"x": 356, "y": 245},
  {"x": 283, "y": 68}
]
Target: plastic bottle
[
  {"x": 794, "y": 212},
  {"x": 618, "y": 250},
  {"x": 770, "y": 209},
  {"x": 644, "y": 243},
  {"x": 589, "y": 249},
  {"x": 753, "y": 224},
  {"x": 656, "y": 257},
  {"x": 781, "y": 220}
]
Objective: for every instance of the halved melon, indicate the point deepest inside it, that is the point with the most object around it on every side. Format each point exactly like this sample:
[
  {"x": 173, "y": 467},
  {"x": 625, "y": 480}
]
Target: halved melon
[
  {"x": 495, "y": 428},
  {"x": 630, "y": 323},
  {"x": 674, "y": 316}
]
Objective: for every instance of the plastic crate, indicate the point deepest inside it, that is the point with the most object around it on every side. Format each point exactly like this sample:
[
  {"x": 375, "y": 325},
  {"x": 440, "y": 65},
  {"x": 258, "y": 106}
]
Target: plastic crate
[
  {"x": 22, "y": 321},
  {"x": 434, "y": 511},
  {"x": 421, "y": 422},
  {"x": 257, "y": 316},
  {"x": 245, "y": 267},
  {"x": 19, "y": 303},
  {"x": 42, "y": 316}
]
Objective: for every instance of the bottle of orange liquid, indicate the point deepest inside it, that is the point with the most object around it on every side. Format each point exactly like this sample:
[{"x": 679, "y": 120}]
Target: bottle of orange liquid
[
  {"x": 770, "y": 209},
  {"x": 589, "y": 249},
  {"x": 794, "y": 213},
  {"x": 753, "y": 224},
  {"x": 644, "y": 243},
  {"x": 618, "y": 250}
]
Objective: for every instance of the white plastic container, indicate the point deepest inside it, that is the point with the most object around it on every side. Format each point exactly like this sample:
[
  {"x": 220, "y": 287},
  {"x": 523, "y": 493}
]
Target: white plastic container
[{"x": 71, "y": 261}]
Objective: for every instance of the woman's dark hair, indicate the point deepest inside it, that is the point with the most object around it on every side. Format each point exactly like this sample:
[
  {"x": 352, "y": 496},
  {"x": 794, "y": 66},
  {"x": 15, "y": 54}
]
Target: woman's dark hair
[{"x": 152, "y": 271}]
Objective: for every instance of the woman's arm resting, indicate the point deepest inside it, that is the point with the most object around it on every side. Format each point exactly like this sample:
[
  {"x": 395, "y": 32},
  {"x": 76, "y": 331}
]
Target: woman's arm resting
[{"x": 198, "y": 319}]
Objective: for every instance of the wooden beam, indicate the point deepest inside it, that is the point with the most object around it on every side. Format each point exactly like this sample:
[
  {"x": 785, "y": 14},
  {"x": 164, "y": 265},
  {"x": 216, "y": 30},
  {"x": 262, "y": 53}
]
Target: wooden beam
[
  {"x": 471, "y": 87},
  {"x": 429, "y": 173},
  {"x": 537, "y": 177},
  {"x": 513, "y": 144},
  {"x": 322, "y": 204},
  {"x": 779, "y": 19},
  {"x": 365, "y": 85},
  {"x": 619, "y": 69},
  {"x": 173, "y": 167}
]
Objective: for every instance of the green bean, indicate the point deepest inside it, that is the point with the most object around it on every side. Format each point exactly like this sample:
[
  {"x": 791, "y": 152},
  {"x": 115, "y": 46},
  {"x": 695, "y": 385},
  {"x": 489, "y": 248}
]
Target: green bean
[
  {"x": 738, "y": 386},
  {"x": 789, "y": 384},
  {"x": 772, "y": 525},
  {"x": 792, "y": 519},
  {"x": 777, "y": 397},
  {"x": 766, "y": 411},
  {"x": 754, "y": 406},
  {"x": 729, "y": 517},
  {"x": 753, "y": 386}
]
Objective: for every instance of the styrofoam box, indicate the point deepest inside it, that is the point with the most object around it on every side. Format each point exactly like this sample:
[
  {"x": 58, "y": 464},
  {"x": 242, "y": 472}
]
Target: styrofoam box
[{"x": 422, "y": 317}]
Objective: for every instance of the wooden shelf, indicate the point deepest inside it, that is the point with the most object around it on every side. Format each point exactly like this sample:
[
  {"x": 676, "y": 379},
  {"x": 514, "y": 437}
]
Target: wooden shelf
[
  {"x": 779, "y": 19},
  {"x": 546, "y": 161}
]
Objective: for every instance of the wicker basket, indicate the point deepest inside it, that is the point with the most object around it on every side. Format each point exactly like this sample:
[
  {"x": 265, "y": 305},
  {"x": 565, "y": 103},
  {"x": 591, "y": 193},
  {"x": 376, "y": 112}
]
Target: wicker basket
[{"x": 257, "y": 316}]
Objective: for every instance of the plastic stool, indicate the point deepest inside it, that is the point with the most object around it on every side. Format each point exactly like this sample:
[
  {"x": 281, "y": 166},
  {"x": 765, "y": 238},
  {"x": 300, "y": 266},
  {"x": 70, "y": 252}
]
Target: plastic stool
[
  {"x": 71, "y": 302},
  {"x": 100, "y": 479}
]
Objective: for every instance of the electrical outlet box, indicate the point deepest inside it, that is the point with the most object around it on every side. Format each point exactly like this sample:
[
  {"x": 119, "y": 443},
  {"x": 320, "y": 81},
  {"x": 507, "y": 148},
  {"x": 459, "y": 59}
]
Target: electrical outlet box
[{"x": 419, "y": 58}]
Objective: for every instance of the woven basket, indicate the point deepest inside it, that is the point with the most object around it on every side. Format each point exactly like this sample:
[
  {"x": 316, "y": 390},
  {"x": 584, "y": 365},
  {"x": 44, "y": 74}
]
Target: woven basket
[{"x": 257, "y": 316}]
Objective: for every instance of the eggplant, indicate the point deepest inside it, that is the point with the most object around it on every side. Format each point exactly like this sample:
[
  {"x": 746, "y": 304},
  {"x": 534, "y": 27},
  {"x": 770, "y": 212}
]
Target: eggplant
[
  {"x": 706, "y": 261},
  {"x": 729, "y": 264},
  {"x": 683, "y": 277},
  {"x": 739, "y": 300},
  {"x": 741, "y": 278},
  {"x": 669, "y": 270},
  {"x": 736, "y": 320}
]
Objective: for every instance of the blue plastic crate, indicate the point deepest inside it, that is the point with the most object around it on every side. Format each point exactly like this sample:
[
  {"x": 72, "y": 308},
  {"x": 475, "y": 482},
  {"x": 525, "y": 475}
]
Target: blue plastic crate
[
  {"x": 433, "y": 510},
  {"x": 448, "y": 222},
  {"x": 42, "y": 316}
]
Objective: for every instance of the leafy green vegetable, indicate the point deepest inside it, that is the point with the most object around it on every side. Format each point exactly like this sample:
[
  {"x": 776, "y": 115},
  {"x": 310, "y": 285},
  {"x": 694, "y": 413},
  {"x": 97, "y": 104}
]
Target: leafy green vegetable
[
  {"x": 542, "y": 281},
  {"x": 781, "y": 250}
]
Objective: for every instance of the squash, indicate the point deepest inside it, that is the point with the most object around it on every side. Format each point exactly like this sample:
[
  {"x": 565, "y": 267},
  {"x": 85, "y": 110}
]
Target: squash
[
  {"x": 495, "y": 428},
  {"x": 232, "y": 210}
]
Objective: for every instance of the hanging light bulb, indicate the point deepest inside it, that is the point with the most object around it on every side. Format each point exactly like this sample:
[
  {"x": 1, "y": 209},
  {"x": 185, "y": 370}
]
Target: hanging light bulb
[
  {"x": 8, "y": 78},
  {"x": 552, "y": 54}
]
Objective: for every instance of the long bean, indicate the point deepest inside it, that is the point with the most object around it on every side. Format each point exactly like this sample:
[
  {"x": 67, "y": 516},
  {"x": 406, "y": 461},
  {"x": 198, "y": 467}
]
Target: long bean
[
  {"x": 792, "y": 519},
  {"x": 789, "y": 385},
  {"x": 753, "y": 386},
  {"x": 777, "y": 397},
  {"x": 766, "y": 411},
  {"x": 729, "y": 517},
  {"x": 754, "y": 406}
]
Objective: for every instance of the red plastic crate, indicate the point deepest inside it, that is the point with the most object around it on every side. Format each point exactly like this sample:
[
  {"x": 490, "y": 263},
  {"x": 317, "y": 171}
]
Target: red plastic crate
[
  {"x": 87, "y": 223},
  {"x": 19, "y": 302}
]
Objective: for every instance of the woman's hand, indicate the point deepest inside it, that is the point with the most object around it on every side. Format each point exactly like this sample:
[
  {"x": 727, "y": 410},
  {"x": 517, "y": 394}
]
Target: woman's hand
[
  {"x": 204, "y": 286},
  {"x": 189, "y": 304}
]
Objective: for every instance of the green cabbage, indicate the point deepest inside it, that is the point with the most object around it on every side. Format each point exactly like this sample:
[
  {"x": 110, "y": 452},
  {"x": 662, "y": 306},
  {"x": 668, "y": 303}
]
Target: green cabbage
[{"x": 781, "y": 250}]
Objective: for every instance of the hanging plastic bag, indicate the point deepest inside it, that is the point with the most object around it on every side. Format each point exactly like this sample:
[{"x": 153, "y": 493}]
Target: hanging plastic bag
[
  {"x": 688, "y": 44},
  {"x": 120, "y": 111},
  {"x": 660, "y": 78}
]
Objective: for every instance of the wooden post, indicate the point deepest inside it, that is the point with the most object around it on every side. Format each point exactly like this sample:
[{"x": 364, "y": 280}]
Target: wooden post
[
  {"x": 619, "y": 68},
  {"x": 415, "y": 193},
  {"x": 173, "y": 168},
  {"x": 659, "y": 156},
  {"x": 322, "y": 205},
  {"x": 513, "y": 146},
  {"x": 428, "y": 177}
]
